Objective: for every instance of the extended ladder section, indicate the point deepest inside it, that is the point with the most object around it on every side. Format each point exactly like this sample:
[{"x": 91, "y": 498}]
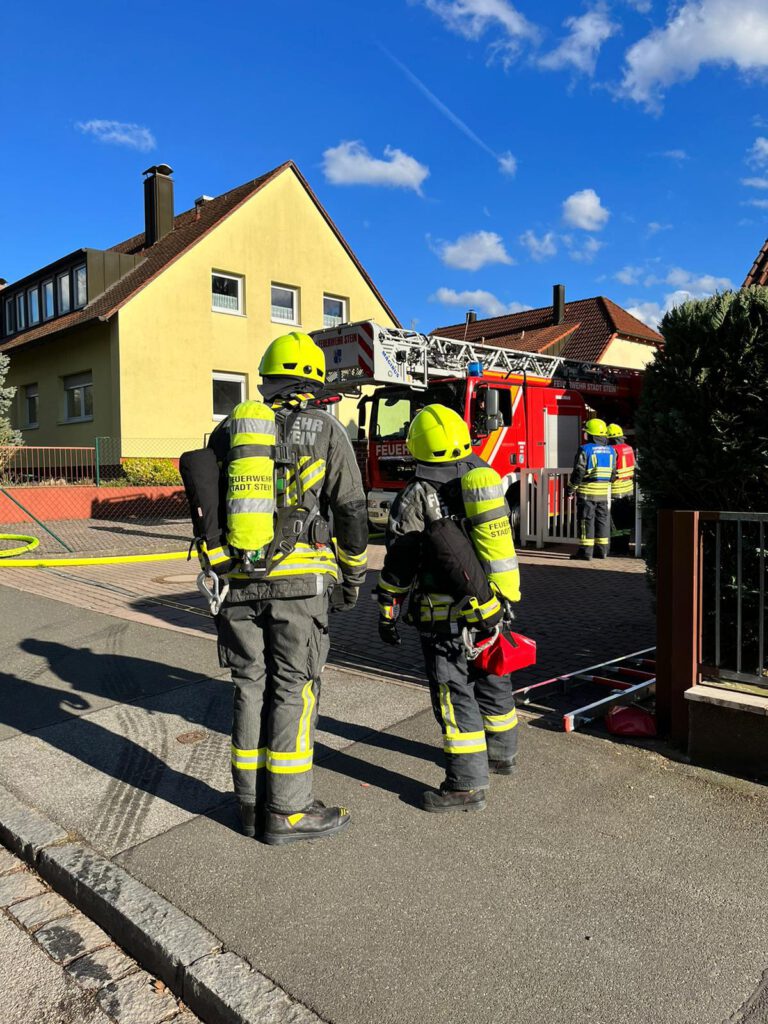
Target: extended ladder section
[{"x": 367, "y": 353}]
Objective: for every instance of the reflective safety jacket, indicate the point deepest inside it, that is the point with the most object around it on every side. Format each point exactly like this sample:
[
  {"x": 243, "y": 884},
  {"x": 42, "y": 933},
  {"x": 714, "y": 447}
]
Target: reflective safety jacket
[
  {"x": 624, "y": 484},
  {"x": 435, "y": 493},
  {"x": 594, "y": 469},
  {"x": 329, "y": 478}
]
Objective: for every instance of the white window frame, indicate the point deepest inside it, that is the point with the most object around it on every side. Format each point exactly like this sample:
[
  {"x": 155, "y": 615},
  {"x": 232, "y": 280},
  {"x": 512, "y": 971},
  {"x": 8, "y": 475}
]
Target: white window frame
[
  {"x": 75, "y": 271},
  {"x": 296, "y": 322},
  {"x": 31, "y": 293},
  {"x": 27, "y": 423},
  {"x": 344, "y": 310},
  {"x": 236, "y": 378},
  {"x": 48, "y": 281},
  {"x": 240, "y": 279},
  {"x": 59, "y": 306},
  {"x": 78, "y": 380}
]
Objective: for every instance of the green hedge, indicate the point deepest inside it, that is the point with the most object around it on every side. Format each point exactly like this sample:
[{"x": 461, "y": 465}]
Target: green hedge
[{"x": 151, "y": 472}]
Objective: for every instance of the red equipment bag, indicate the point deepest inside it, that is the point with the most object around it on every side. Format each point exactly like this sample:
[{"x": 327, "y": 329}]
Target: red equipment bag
[
  {"x": 630, "y": 721},
  {"x": 507, "y": 654}
]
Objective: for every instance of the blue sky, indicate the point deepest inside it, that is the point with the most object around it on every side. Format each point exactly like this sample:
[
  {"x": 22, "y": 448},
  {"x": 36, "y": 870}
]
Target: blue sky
[{"x": 473, "y": 152}]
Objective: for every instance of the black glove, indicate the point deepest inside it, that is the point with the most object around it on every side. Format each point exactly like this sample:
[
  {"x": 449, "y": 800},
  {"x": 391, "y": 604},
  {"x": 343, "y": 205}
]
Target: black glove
[
  {"x": 388, "y": 633},
  {"x": 343, "y": 598}
]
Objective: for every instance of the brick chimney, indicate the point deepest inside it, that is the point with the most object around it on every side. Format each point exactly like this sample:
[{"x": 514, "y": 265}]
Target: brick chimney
[
  {"x": 158, "y": 203},
  {"x": 558, "y": 303}
]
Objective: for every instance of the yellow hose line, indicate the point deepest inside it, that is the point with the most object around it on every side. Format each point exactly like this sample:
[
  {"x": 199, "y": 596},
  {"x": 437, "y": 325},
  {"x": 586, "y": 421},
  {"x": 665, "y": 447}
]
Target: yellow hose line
[{"x": 30, "y": 543}]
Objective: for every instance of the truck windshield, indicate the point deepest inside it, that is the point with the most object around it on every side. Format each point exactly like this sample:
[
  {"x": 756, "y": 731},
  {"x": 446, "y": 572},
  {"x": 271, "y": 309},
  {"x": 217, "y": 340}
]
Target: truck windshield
[{"x": 396, "y": 409}]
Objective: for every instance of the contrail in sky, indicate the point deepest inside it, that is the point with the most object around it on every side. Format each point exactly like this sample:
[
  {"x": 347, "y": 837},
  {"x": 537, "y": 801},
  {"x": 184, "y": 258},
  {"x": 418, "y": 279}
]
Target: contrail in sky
[{"x": 506, "y": 161}]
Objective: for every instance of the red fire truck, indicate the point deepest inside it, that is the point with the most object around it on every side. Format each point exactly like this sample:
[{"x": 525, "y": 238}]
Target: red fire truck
[{"x": 524, "y": 410}]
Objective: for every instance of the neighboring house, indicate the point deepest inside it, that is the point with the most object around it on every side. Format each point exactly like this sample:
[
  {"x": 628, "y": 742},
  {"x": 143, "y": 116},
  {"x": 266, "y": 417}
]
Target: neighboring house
[
  {"x": 759, "y": 272},
  {"x": 593, "y": 330},
  {"x": 154, "y": 340}
]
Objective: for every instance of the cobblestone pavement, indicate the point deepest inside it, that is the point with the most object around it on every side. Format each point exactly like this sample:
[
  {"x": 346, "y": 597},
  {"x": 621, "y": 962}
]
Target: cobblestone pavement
[
  {"x": 64, "y": 538},
  {"x": 58, "y": 967},
  {"x": 579, "y": 613}
]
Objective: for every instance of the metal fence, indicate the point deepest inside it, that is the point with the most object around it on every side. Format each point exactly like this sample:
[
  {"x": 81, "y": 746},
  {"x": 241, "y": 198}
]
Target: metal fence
[
  {"x": 732, "y": 553},
  {"x": 118, "y": 496}
]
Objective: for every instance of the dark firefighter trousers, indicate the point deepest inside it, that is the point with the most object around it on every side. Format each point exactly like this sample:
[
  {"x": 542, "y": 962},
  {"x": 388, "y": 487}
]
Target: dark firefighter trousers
[
  {"x": 276, "y": 650},
  {"x": 475, "y": 711},
  {"x": 594, "y": 526}
]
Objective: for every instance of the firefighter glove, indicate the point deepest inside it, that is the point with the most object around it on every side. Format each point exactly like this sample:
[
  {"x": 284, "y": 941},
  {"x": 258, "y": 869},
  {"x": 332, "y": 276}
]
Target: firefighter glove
[
  {"x": 388, "y": 632},
  {"x": 343, "y": 597}
]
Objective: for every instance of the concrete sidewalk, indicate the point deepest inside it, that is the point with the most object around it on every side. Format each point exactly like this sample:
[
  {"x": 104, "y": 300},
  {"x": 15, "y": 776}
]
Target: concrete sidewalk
[{"x": 605, "y": 883}]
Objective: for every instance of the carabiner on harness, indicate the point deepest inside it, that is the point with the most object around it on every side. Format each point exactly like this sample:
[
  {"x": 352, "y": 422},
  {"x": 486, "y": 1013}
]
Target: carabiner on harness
[
  {"x": 213, "y": 589},
  {"x": 472, "y": 650}
]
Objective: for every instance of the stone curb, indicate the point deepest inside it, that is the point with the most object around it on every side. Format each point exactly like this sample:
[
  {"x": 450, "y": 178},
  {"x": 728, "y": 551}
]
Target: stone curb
[{"x": 218, "y": 986}]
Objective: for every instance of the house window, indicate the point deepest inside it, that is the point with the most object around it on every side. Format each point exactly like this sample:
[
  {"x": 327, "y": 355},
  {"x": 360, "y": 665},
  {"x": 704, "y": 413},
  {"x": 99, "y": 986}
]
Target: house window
[
  {"x": 81, "y": 290},
  {"x": 285, "y": 304},
  {"x": 48, "y": 307},
  {"x": 334, "y": 311},
  {"x": 9, "y": 316},
  {"x": 21, "y": 318},
  {"x": 33, "y": 305},
  {"x": 62, "y": 288},
  {"x": 78, "y": 397},
  {"x": 227, "y": 293},
  {"x": 30, "y": 405},
  {"x": 228, "y": 391}
]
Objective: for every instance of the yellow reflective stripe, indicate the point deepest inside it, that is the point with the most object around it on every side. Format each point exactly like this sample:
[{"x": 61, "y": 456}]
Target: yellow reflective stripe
[
  {"x": 391, "y": 588},
  {"x": 249, "y": 760},
  {"x": 446, "y": 709},
  {"x": 464, "y": 743},
  {"x": 353, "y": 560},
  {"x": 217, "y": 555},
  {"x": 316, "y": 568},
  {"x": 289, "y": 762},
  {"x": 308, "y": 699},
  {"x": 500, "y": 723},
  {"x": 294, "y": 819}
]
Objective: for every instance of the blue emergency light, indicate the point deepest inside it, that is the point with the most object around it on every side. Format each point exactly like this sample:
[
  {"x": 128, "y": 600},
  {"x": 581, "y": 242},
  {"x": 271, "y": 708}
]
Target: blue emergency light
[{"x": 475, "y": 369}]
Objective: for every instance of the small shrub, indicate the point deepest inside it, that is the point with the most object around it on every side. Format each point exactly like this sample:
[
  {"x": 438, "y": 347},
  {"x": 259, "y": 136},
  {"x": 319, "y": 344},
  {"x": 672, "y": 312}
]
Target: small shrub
[{"x": 151, "y": 473}]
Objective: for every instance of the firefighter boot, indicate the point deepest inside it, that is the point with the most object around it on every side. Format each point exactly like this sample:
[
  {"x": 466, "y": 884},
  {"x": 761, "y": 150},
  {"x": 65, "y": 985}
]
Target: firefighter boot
[
  {"x": 251, "y": 818},
  {"x": 315, "y": 822},
  {"x": 581, "y": 556},
  {"x": 507, "y": 766},
  {"x": 446, "y": 800}
]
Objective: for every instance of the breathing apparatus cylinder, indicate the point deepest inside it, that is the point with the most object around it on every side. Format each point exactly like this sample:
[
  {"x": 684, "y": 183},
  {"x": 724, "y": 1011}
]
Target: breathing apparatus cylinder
[
  {"x": 251, "y": 477},
  {"x": 489, "y": 527}
]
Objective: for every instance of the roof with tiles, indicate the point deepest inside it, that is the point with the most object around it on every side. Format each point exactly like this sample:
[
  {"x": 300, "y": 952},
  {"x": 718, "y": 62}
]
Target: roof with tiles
[
  {"x": 590, "y": 326},
  {"x": 188, "y": 228},
  {"x": 759, "y": 272}
]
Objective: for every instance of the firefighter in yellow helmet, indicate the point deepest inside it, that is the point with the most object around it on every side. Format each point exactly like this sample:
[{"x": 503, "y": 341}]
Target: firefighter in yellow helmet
[
  {"x": 594, "y": 469},
  {"x": 623, "y": 487},
  {"x": 273, "y": 626},
  {"x": 462, "y": 580}
]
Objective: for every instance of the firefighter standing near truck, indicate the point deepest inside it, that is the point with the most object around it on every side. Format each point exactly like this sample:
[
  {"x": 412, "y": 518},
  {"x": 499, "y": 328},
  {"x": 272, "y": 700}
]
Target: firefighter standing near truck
[
  {"x": 594, "y": 470},
  {"x": 273, "y": 625},
  {"x": 475, "y": 710},
  {"x": 623, "y": 487}
]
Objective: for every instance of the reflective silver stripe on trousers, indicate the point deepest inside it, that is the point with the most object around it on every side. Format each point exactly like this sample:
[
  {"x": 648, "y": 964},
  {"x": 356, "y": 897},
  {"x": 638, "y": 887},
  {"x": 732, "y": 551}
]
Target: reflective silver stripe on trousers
[
  {"x": 501, "y": 565},
  {"x": 483, "y": 493},
  {"x": 237, "y": 505},
  {"x": 251, "y": 426}
]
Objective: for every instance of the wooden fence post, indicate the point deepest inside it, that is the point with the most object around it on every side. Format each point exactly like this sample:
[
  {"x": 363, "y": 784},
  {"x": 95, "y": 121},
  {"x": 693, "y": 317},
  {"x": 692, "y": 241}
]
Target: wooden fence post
[{"x": 678, "y": 619}]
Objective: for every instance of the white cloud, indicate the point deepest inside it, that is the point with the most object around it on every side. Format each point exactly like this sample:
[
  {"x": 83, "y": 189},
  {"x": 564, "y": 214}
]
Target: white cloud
[
  {"x": 755, "y": 182},
  {"x": 472, "y": 19},
  {"x": 643, "y": 6},
  {"x": 698, "y": 32},
  {"x": 761, "y": 204},
  {"x": 471, "y": 252},
  {"x": 585, "y": 210},
  {"x": 119, "y": 134},
  {"x": 539, "y": 248},
  {"x": 508, "y": 164},
  {"x": 655, "y": 227},
  {"x": 587, "y": 252},
  {"x": 628, "y": 275},
  {"x": 579, "y": 49},
  {"x": 758, "y": 154},
  {"x": 350, "y": 163},
  {"x": 696, "y": 283},
  {"x": 484, "y": 302},
  {"x": 675, "y": 154}
]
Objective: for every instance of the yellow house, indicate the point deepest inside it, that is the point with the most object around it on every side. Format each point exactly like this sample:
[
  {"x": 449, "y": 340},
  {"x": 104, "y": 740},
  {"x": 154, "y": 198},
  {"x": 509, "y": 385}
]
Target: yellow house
[{"x": 153, "y": 341}]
